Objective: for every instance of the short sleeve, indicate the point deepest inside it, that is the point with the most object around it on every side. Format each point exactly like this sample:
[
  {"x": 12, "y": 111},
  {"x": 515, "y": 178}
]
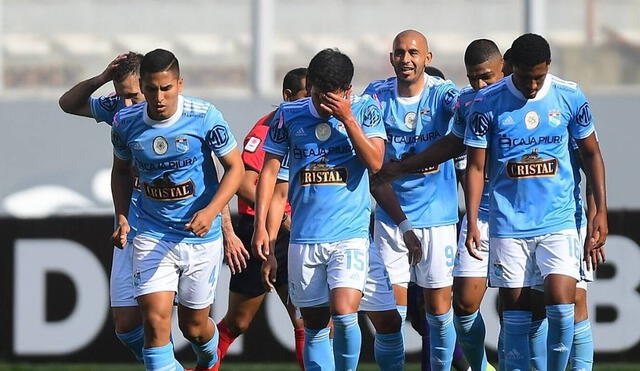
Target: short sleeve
[
  {"x": 120, "y": 148},
  {"x": 478, "y": 122},
  {"x": 217, "y": 135},
  {"x": 277, "y": 141},
  {"x": 459, "y": 124},
  {"x": 283, "y": 173},
  {"x": 581, "y": 123},
  {"x": 104, "y": 108},
  {"x": 449, "y": 97},
  {"x": 371, "y": 120}
]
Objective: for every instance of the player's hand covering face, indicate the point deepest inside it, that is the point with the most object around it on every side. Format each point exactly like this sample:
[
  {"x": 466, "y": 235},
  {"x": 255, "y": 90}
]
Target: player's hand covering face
[{"x": 161, "y": 90}]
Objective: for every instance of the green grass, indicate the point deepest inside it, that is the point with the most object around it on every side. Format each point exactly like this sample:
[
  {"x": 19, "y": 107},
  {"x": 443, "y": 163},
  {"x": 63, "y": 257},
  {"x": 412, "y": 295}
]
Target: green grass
[{"x": 237, "y": 367}]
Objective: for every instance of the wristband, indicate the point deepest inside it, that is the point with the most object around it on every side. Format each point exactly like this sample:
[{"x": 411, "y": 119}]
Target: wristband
[{"x": 405, "y": 226}]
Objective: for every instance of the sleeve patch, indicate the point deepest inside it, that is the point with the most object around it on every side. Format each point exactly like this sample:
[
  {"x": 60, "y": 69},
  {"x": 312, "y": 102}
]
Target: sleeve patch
[{"x": 252, "y": 144}]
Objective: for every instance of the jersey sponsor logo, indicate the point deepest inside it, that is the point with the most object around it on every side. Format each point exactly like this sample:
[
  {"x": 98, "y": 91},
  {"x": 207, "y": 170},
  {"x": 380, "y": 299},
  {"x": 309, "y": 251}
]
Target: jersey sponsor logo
[
  {"x": 410, "y": 120},
  {"x": 315, "y": 152},
  {"x": 218, "y": 137},
  {"x": 372, "y": 117},
  {"x": 167, "y": 165},
  {"x": 163, "y": 189},
  {"x": 506, "y": 142},
  {"x": 182, "y": 144},
  {"x": 321, "y": 174},
  {"x": 532, "y": 166},
  {"x": 252, "y": 144},
  {"x": 480, "y": 124},
  {"x": 584, "y": 115},
  {"x": 323, "y": 131},
  {"x": 411, "y": 139},
  {"x": 450, "y": 97},
  {"x": 555, "y": 118},
  {"x": 531, "y": 120},
  {"x": 160, "y": 145},
  {"x": 108, "y": 103}
]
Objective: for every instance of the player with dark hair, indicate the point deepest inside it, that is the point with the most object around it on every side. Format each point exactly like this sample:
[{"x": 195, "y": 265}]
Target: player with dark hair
[
  {"x": 246, "y": 292},
  {"x": 525, "y": 122},
  {"x": 333, "y": 140},
  {"x": 123, "y": 71},
  {"x": 507, "y": 67},
  {"x": 417, "y": 110},
  {"x": 170, "y": 140}
]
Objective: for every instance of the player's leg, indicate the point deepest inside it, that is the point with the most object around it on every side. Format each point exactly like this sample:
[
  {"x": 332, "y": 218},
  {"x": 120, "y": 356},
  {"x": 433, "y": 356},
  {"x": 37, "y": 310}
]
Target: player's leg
[
  {"x": 201, "y": 264},
  {"x": 241, "y": 311},
  {"x": 582, "y": 350},
  {"x": 379, "y": 302},
  {"x": 124, "y": 307},
  {"x": 434, "y": 275},
  {"x": 511, "y": 268},
  {"x": 558, "y": 258},
  {"x": 539, "y": 329},
  {"x": 469, "y": 286},
  {"x": 155, "y": 283},
  {"x": 346, "y": 275},
  {"x": 309, "y": 291}
]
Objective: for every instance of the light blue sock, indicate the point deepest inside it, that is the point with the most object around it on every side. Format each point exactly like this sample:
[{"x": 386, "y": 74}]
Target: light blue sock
[
  {"x": 317, "y": 350},
  {"x": 207, "y": 353},
  {"x": 442, "y": 335},
  {"x": 471, "y": 331},
  {"x": 538, "y": 343},
  {"x": 516, "y": 339},
  {"x": 582, "y": 350},
  {"x": 402, "y": 310},
  {"x": 347, "y": 341},
  {"x": 160, "y": 359},
  {"x": 560, "y": 335},
  {"x": 134, "y": 341},
  {"x": 501, "y": 361},
  {"x": 389, "y": 351}
]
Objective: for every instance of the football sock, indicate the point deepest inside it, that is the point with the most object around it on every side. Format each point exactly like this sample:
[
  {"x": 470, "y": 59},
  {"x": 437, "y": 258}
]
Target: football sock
[
  {"x": 443, "y": 340},
  {"x": 317, "y": 350},
  {"x": 134, "y": 341},
  {"x": 160, "y": 359},
  {"x": 389, "y": 351},
  {"x": 501, "y": 346},
  {"x": 582, "y": 350},
  {"x": 207, "y": 353},
  {"x": 538, "y": 343},
  {"x": 299, "y": 336},
  {"x": 516, "y": 339},
  {"x": 560, "y": 336},
  {"x": 347, "y": 341},
  {"x": 425, "y": 355},
  {"x": 471, "y": 331}
]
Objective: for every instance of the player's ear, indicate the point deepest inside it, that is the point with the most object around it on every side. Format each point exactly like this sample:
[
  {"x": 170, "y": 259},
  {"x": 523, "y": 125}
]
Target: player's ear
[
  {"x": 428, "y": 58},
  {"x": 180, "y": 84},
  {"x": 286, "y": 95},
  {"x": 391, "y": 58}
]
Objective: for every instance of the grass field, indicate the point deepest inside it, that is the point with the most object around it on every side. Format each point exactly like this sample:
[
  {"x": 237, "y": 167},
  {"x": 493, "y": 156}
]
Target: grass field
[{"x": 239, "y": 367}]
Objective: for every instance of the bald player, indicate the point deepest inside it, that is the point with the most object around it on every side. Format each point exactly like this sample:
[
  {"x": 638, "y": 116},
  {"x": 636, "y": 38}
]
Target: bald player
[{"x": 417, "y": 111}]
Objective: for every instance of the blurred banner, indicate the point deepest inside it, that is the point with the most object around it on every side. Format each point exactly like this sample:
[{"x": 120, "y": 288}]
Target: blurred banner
[{"x": 54, "y": 303}]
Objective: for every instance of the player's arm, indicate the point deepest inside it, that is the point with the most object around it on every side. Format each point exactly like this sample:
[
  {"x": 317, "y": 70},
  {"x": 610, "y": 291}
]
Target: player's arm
[
  {"x": 474, "y": 181},
  {"x": 264, "y": 194},
  {"x": 276, "y": 218},
  {"x": 121, "y": 188},
  {"x": 386, "y": 198},
  {"x": 201, "y": 221},
  {"x": 369, "y": 150},
  {"x": 235, "y": 253},
  {"x": 594, "y": 169},
  {"x": 76, "y": 100},
  {"x": 247, "y": 190}
]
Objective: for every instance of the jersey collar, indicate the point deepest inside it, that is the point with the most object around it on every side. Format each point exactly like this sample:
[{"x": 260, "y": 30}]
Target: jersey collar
[
  {"x": 312, "y": 109},
  {"x": 541, "y": 94},
  {"x": 166, "y": 122},
  {"x": 410, "y": 100}
]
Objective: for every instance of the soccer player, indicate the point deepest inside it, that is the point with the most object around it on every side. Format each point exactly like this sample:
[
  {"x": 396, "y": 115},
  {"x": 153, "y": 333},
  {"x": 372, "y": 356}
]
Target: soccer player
[
  {"x": 417, "y": 110},
  {"x": 246, "y": 293},
  {"x": 178, "y": 246},
  {"x": 333, "y": 140},
  {"x": 525, "y": 122},
  {"x": 123, "y": 71}
]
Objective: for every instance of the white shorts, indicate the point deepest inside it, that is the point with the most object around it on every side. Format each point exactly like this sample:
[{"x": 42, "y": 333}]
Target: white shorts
[
  {"x": 189, "y": 269},
  {"x": 525, "y": 262},
  {"x": 587, "y": 275},
  {"x": 121, "y": 279},
  {"x": 316, "y": 269},
  {"x": 465, "y": 264},
  {"x": 378, "y": 294},
  {"x": 438, "y": 255}
]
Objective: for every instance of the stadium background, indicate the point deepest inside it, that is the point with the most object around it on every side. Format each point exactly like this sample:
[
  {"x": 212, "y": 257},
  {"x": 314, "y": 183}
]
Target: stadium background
[{"x": 55, "y": 202}]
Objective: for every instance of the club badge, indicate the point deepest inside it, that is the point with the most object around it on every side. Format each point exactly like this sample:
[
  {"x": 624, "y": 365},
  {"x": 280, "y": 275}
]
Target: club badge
[
  {"x": 410, "y": 120},
  {"x": 531, "y": 120},
  {"x": 160, "y": 145},
  {"x": 182, "y": 144},
  {"x": 323, "y": 131}
]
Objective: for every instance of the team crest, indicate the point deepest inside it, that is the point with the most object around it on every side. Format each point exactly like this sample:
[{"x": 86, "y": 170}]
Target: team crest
[
  {"x": 425, "y": 113},
  {"x": 323, "y": 131},
  {"x": 160, "y": 145},
  {"x": 531, "y": 120},
  {"x": 182, "y": 144},
  {"x": 410, "y": 120},
  {"x": 555, "y": 118}
]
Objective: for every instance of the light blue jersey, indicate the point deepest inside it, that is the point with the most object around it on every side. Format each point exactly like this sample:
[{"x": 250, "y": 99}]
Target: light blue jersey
[
  {"x": 103, "y": 109},
  {"x": 428, "y": 196},
  {"x": 283, "y": 173},
  {"x": 576, "y": 165},
  {"x": 463, "y": 107},
  {"x": 328, "y": 183},
  {"x": 173, "y": 158},
  {"x": 528, "y": 162}
]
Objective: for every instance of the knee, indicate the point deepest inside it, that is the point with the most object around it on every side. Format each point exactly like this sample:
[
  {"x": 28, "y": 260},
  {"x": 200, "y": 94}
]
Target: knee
[
  {"x": 463, "y": 306},
  {"x": 237, "y": 326},
  {"x": 126, "y": 321},
  {"x": 391, "y": 322},
  {"x": 193, "y": 330}
]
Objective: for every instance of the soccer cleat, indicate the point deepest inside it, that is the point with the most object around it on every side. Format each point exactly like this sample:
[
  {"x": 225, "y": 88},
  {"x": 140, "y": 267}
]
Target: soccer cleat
[{"x": 200, "y": 368}]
